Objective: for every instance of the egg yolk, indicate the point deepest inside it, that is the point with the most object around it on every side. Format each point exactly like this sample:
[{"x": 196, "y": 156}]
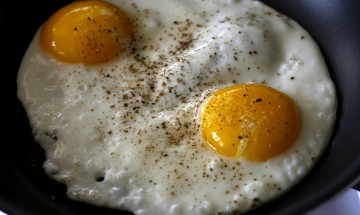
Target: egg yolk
[
  {"x": 90, "y": 32},
  {"x": 252, "y": 121}
]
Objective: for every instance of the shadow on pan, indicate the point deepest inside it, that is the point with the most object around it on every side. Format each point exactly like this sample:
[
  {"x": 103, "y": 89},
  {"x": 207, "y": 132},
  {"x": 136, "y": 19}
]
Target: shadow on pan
[{"x": 25, "y": 189}]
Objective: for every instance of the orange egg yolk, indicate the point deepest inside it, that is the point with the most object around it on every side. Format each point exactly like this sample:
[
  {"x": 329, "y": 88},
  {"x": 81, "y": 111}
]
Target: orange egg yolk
[
  {"x": 252, "y": 121},
  {"x": 90, "y": 32}
]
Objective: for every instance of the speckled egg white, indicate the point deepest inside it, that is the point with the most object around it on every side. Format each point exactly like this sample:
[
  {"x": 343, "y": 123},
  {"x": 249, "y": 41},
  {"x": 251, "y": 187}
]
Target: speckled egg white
[{"x": 126, "y": 134}]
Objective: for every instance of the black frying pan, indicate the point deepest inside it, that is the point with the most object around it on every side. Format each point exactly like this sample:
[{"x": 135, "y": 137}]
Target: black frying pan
[{"x": 335, "y": 25}]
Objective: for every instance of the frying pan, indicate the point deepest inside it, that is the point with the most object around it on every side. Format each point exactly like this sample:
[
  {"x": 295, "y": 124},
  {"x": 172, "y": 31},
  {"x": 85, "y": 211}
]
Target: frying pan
[{"x": 334, "y": 24}]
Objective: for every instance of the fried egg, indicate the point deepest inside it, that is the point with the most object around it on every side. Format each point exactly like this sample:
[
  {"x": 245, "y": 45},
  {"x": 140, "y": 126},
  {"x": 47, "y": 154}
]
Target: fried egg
[{"x": 176, "y": 107}]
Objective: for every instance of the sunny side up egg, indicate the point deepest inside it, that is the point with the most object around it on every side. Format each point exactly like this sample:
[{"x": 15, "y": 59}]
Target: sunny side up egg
[{"x": 176, "y": 107}]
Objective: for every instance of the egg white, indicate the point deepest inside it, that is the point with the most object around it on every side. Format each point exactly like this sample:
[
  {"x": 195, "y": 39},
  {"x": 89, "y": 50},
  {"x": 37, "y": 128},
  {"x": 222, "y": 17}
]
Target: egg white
[{"x": 125, "y": 134}]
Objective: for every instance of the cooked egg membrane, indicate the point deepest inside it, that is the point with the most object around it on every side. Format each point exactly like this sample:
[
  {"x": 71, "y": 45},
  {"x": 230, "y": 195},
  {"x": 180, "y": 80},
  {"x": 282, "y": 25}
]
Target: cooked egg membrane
[{"x": 126, "y": 134}]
